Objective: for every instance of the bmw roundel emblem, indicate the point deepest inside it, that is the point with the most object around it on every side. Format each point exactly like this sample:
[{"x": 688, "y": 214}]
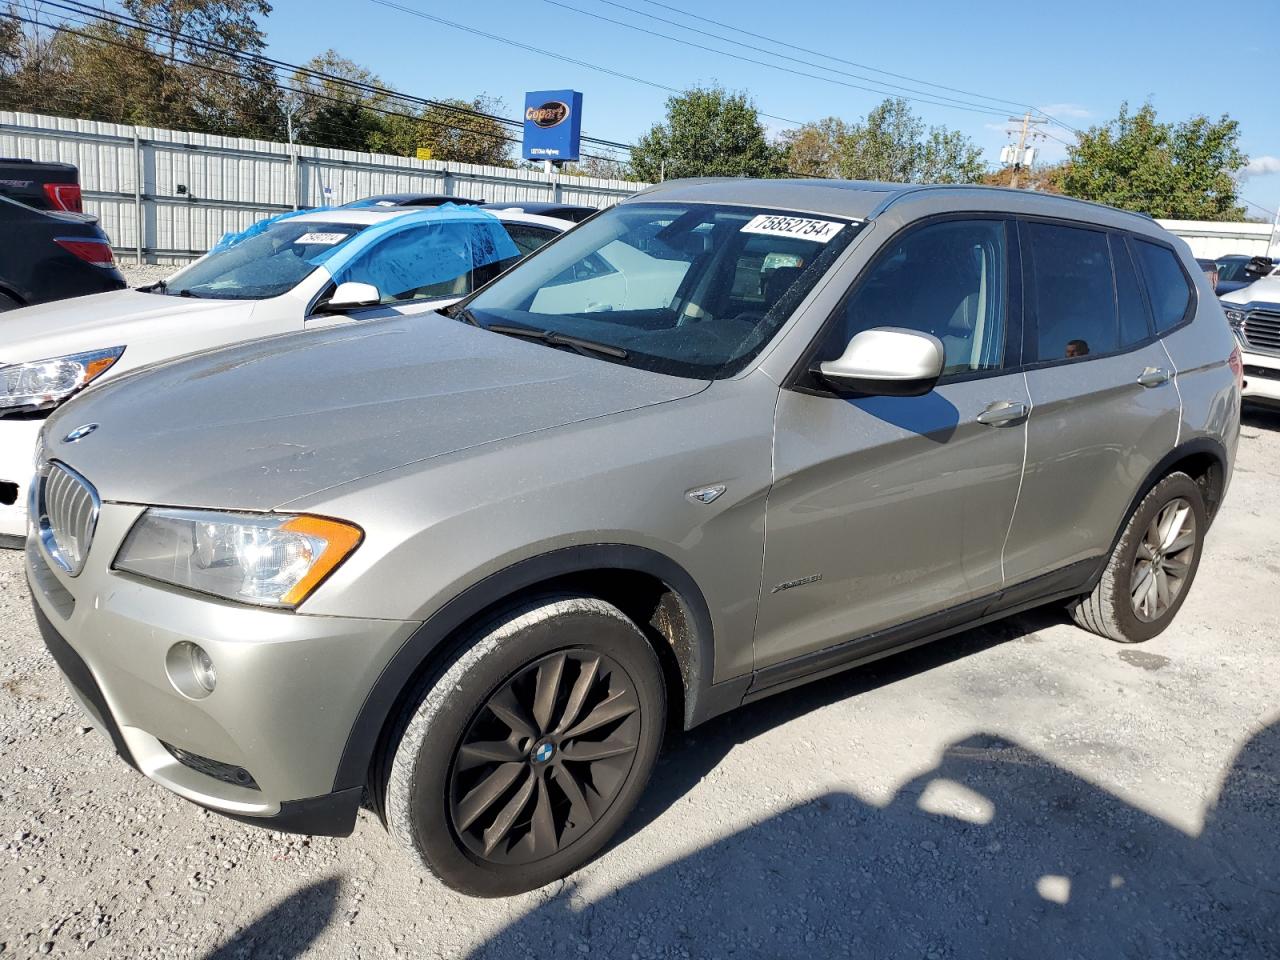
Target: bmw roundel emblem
[
  {"x": 544, "y": 752},
  {"x": 79, "y": 433}
]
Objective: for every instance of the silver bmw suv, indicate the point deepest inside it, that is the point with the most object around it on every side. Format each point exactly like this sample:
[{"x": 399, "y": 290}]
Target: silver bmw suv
[{"x": 722, "y": 439}]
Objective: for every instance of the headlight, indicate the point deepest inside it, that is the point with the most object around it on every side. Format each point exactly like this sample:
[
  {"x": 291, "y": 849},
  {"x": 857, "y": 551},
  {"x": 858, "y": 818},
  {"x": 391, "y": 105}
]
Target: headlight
[
  {"x": 1234, "y": 317},
  {"x": 43, "y": 384},
  {"x": 269, "y": 559}
]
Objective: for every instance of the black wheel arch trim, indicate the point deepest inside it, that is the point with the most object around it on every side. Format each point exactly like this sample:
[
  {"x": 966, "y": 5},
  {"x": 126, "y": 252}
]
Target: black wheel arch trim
[
  {"x": 1196, "y": 447},
  {"x": 382, "y": 700}
]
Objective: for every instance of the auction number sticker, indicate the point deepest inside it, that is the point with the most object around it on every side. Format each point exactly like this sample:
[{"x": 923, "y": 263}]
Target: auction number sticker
[
  {"x": 322, "y": 239},
  {"x": 802, "y": 228}
]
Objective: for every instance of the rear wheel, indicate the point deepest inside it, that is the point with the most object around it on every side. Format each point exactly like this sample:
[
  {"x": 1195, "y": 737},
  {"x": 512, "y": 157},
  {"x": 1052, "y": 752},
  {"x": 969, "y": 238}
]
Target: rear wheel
[
  {"x": 1152, "y": 566},
  {"x": 523, "y": 756}
]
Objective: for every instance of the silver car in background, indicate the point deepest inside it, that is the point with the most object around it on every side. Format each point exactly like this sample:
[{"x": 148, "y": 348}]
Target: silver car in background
[{"x": 722, "y": 439}]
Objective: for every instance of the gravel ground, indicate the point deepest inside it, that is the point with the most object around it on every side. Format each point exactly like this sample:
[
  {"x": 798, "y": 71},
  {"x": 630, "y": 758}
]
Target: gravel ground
[
  {"x": 140, "y": 276},
  {"x": 1023, "y": 790}
]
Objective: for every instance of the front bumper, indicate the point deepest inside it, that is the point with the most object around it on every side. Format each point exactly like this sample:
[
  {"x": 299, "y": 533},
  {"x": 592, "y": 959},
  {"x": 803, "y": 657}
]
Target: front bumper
[
  {"x": 1261, "y": 378},
  {"x": 17, "y": 453},
  {"x": 288, "y": 691}
]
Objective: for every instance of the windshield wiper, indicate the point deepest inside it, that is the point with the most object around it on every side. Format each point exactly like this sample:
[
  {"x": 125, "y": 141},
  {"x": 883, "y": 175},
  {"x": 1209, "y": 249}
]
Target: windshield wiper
[
  {"x": 462, "y": 315},
  {"x": 160, "y": 286},
  {"x": 554, "y": 339}
]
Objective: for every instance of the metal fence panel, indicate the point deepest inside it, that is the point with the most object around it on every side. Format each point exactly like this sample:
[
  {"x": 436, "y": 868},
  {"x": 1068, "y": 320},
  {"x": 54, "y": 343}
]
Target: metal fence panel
[{"x": 169, "y": 195}]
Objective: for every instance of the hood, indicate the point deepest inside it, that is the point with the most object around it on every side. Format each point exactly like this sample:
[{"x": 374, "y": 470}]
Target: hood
[
  {"x": 100, "y": 320},
  {"x": 260, "y": 424},
  {"x": 1263, "y": 290}
]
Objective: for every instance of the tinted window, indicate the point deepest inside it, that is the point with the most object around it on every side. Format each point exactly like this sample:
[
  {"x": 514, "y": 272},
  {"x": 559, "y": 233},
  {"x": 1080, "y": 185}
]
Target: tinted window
[
  {"x": 689, "y": 289},
  {"x": 528, "y": 238},
  {"x": 1135, "y": 321},
  {"x": 423, "y": 263},
  {"x": 947, "y": 279},
  {"x": 1166, "y": 284},
  {"x": 1231, "y": 269},
  {"x": 1073, "y": 293}
]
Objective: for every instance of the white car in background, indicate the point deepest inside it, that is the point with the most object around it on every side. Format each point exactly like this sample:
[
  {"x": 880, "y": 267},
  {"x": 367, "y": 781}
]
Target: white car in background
[
  {"x": 1254, "y": 315},
  {"x": 296, "y": 272}
]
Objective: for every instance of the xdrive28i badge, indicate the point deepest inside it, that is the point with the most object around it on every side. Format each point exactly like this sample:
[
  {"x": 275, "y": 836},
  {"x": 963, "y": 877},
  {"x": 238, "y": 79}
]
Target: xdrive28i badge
[{"x": 80, "y": 432}]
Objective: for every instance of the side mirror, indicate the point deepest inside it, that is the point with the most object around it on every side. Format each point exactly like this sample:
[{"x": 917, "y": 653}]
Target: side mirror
[
  {"x": 350, "y": 295},
  {"x": 887, "y": 361}
]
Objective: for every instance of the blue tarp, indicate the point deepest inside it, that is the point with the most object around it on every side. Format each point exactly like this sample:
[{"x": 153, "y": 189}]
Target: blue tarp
[
  {"x": 417, "y": 249},
  {"x": 235, "y": 239},
  {"x": 421, "y": 248}
]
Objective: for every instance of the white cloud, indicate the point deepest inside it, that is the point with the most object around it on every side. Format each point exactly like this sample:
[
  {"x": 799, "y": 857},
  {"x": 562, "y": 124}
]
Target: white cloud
[
  {"x": 1070, "y": 111},
  {"x": 1261, "y": 167}
]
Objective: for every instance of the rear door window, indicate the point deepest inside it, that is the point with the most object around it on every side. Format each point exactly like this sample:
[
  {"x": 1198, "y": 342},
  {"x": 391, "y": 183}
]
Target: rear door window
[
  {"x": 1073, "y": 292},
  {"x": 1167, "y": 286},
  {"x": 1135, "y": 319}
]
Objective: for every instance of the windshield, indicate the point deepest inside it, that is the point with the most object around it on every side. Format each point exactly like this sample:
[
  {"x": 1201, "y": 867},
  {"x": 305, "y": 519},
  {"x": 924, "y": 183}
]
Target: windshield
[
  {"x": 1231, "y": 269},
  {"x": 269, "y": 264},
  {"x": 694, "y": 290}
]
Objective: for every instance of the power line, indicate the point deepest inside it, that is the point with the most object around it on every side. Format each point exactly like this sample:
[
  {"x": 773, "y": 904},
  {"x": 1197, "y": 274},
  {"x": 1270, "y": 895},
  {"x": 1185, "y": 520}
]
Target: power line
[
  {"x": 809, "y": 62},
  {"x": 83, "y": 10},
  {"x": 1269, "y": 211},
  {"x": 938, "y": 101},
  {"x": 828, "y": 56},
  {"x": 309, "y": 92},
  {"x": 548, "y": 53}
]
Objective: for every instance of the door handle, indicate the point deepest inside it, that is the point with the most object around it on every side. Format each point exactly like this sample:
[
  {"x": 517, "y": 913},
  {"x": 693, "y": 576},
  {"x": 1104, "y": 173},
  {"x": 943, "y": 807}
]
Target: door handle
[
  {"x": 1154, "y": 377},
  {"x": 1001, "y": 412}
]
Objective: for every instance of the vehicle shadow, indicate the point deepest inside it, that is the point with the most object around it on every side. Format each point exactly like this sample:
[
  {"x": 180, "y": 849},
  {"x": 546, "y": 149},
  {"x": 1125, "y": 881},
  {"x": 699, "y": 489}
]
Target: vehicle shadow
[
  {"x": 1263, "y": 418},
  {"x": 688, "y": 757},
  {"x": 996, "y": 852},
  {"x": 288, "y": 929}
]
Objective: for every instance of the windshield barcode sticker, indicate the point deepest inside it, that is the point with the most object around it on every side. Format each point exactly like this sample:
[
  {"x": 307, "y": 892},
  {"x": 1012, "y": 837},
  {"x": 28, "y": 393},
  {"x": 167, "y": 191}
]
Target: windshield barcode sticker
[
  {"x": 322, "y": 239},
  {"x": 799, "y": 227}
]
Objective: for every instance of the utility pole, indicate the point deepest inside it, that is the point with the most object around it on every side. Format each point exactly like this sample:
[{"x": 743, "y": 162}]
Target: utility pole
[{"x": 1019, "y": 156}]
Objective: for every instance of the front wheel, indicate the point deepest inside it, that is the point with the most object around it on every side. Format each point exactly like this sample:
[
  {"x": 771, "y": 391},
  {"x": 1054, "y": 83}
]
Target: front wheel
[
  {"x": 1152, "y": 566},
  {"x": 523, "y": 756}
]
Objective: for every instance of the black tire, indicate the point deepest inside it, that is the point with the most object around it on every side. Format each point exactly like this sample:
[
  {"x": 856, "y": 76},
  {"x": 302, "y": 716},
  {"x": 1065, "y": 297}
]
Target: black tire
[
  {"x": 452, "y": 749},
  {"x": 8, "y": 303},
  {"x": 1111, "y": 610}
]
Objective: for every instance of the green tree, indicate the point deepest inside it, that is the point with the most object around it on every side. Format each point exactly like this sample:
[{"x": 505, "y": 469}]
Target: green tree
[
  {"x": 189, "y": 25},
  {"x": 10, "y": 52},
  {"x": 890, "y": 143},
  {"x": 813, "y": 149},
  {"x": 708, "y": 132},
  {"x": 893, "y": 144},
  {"x": 601, "y": 167},
  {"x": 1183, "y": 171},
  {"x": 454, "y": 132},
  {"x": 334, "y": 109}
]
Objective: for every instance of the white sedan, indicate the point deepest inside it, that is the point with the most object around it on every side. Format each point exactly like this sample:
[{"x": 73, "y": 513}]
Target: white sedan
[{"x": 299, "y": 271}]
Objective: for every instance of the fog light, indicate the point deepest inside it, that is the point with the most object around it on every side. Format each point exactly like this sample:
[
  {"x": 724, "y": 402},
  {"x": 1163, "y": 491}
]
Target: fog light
[{"x": 191, "y": 670}]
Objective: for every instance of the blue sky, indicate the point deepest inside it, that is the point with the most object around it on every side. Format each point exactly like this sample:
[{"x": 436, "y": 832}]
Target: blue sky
[{"x": 1076, "y": 61}]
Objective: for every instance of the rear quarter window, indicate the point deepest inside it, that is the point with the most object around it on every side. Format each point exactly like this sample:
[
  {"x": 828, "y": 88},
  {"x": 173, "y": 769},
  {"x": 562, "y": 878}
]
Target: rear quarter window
[{"x": 1167, "y": 287}]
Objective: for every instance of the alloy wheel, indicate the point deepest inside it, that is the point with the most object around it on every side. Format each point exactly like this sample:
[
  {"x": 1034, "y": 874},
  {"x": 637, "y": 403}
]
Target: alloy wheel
[
  {"x": 1163, "y": 560},
  {"x": 545, "y": 757}
]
